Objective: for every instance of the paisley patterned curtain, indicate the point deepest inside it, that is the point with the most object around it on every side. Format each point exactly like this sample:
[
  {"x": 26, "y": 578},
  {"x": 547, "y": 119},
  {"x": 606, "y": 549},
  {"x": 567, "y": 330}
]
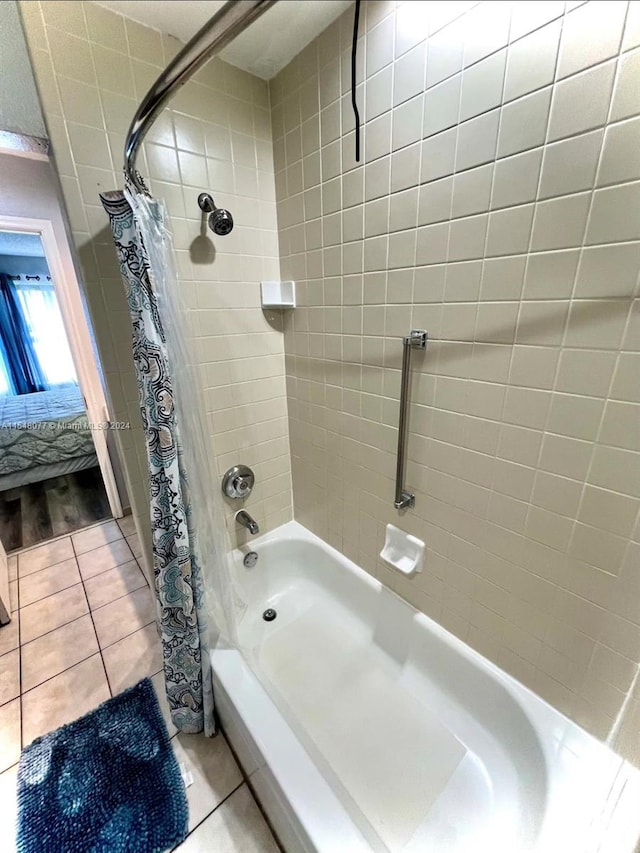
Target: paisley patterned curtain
[{"x": 177, "y": 570}]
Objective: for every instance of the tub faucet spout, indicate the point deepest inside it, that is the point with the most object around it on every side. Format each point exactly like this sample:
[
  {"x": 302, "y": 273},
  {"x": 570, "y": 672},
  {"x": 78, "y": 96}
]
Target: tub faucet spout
[{"x": 243, "y": 518}]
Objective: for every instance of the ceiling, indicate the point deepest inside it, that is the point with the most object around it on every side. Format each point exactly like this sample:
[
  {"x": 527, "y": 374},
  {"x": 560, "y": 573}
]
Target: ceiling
[
  {"x": 263, "y": 49},
  {"x": 21, "y": 243}
]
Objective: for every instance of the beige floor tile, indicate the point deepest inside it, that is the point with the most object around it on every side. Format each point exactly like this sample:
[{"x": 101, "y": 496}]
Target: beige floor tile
[
  {"x": 95, "y": 537},
  {"x": 9, "y": 734},
  {"x": 113, "y": 584},
  {"x": 127, "y": 525},
  {"x": 123, "y": 616},
  {"x": 43, "y": 556},
  {"x": 134, "y": 544},
  {"x": 107, "y": 557},
  {"x": 9, "y": 638},
  {"x": 158, "y": 683},
  {"x": 9, "y": 809},
  {"x": 133, "y": 658},
  {"x": 236, "y": 827},
  {"x": 64, "y": 698},
  {"x": 45, "y": 582},
  {"x": 214, "y": 770},
  {"x": 56, "y": 651},
  {"x": 9, "y": 676},
  {"x": 52, "y": 612},
  {"x": 13, "y": 595}
]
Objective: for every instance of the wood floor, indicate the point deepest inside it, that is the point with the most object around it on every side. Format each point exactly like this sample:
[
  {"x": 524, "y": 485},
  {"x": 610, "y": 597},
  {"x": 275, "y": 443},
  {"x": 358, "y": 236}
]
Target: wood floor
[{"x": 40, "y": 511}]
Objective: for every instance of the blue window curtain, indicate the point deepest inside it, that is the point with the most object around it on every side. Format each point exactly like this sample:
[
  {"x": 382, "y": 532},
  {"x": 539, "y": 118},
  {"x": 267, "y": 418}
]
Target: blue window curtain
[
  {"x": 18, "y": 353},
  {"x": 7, "y": 385},
  {"x": 34, "y": 352},
  {"x": 42, "y": 315}
]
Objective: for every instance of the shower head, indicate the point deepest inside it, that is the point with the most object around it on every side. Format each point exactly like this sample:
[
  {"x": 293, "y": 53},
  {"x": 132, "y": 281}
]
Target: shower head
[{"x": 220, "y": 220}]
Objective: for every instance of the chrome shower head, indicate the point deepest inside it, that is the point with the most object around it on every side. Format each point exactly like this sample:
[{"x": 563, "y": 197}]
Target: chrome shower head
[{"x": 220, "y": 220}]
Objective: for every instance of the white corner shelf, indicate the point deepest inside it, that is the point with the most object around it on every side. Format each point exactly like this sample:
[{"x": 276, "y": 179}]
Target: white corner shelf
[{"x": 278, "y": 294}]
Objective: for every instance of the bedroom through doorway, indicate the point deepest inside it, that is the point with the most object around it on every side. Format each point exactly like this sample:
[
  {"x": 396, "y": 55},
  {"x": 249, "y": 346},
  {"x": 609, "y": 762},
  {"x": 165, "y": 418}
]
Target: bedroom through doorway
[
  {"x": 60, "y": 451},
  {"x": 50, "y": 478}
]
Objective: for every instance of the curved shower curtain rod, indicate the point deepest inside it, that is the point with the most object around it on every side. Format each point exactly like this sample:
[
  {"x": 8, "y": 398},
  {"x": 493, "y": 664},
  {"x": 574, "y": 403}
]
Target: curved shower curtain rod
[{"x": 230, "y": 21}]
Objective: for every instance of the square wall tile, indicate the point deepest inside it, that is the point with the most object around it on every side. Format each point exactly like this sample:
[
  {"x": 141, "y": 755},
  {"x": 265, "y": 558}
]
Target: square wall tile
[
  {"x": 531, "y": 62},
  {"x": 581, "y": 103},
  {"x": 590, "y": 34}
]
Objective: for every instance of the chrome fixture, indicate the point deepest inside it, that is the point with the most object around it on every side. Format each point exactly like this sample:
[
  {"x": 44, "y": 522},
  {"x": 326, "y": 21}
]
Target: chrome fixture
[
  {"x": 417, "y": 339},
  {"x": 244, "y": 520},
  {"x": 269, "y": 614},
  {"x": 220, "y": 220},
  {"x": 238, "y": 482},
  {"x": 234, "y": 17},
  {"x": 250, "y": 559}
]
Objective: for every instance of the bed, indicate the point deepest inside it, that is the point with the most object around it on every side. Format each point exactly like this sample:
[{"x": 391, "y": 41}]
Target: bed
[{"x": 43, "y": 435}]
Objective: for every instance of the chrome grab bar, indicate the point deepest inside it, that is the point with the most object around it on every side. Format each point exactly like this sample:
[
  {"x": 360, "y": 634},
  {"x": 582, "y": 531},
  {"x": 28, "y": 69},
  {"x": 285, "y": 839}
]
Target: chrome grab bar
[
  {"x": 417, "y": 339},
  {"x": 224, "y": 26}
]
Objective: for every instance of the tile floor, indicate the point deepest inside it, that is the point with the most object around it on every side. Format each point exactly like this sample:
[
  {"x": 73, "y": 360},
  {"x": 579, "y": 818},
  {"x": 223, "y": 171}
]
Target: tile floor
[{"x": 83, "y": 629}]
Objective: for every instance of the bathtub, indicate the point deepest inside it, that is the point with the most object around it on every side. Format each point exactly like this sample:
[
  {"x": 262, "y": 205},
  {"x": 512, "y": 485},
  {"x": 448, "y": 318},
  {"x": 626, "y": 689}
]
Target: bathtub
[{"x": 362, "y": 725}]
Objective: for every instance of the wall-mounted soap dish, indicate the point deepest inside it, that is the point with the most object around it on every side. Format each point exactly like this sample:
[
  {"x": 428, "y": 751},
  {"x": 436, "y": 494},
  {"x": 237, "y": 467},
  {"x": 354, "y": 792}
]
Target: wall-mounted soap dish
[
  {"x": 278, "y": 294},
  {"x": 402, "y": 551}
]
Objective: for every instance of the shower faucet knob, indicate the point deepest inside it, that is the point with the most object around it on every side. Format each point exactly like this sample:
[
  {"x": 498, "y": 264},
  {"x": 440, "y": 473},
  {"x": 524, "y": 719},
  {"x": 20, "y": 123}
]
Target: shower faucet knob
[{"x": 238, "y": 482}]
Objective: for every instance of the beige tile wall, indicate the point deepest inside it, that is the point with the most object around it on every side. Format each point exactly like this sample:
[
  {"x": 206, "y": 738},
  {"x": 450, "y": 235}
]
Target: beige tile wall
[
  {"x": 498, "y": 207},
  {"x": 93, "y": 67}
]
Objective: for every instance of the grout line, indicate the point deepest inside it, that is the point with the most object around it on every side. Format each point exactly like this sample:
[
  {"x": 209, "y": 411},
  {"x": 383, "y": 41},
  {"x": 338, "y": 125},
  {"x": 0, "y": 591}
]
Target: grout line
[
  {"x": 35, "y": 571},
  {"x": 17, "y": 616},
  {"x": 61, "y": 625},
  {"x": 7, "y": 769},
  {"x": 76, "y": 583},
  {"x": 104, "y": 668},
  {"x": 119, "y": 597},
  {"x": 214, "y": 809},
  {"x": 19, "y": 693},
  {"x": 130, "y": 634},
  {"x": 249, "y": 785},
  {"x": 62, "y": 672}
]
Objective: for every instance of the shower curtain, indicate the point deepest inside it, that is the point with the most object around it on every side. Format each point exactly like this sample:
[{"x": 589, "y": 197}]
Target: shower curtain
[{"x": 145, "y": 254}]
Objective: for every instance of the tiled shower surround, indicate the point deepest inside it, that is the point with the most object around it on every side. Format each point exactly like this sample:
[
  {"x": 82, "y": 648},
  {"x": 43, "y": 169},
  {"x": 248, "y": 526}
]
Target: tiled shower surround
[
  {"x": 495, "y": 207},
  {"x": 93, "y": 67}
]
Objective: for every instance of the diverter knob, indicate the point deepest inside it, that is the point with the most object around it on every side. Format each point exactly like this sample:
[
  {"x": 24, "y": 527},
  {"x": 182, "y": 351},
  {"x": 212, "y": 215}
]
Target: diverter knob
[{"x": 238, "y": 482}]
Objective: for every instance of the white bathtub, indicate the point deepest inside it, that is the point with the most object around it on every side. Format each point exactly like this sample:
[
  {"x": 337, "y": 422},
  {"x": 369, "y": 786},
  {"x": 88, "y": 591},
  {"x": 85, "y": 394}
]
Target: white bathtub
[{"x": 363, "y": 725}]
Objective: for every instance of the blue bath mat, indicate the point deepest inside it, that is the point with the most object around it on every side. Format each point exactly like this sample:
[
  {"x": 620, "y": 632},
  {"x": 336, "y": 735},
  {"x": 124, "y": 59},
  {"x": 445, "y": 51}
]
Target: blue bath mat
[{"x": 107, "y": 783}]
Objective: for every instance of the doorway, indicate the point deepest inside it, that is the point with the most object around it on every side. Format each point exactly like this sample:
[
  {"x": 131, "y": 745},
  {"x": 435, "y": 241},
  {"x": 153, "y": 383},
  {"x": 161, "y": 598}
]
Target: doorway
[{"x": 56, "y": 475}]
